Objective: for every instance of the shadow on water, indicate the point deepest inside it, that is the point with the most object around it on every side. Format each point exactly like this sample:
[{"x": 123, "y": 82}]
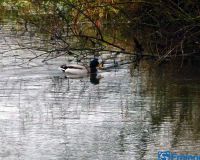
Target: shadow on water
[
  {"x": 94, "y": 79},
  {"x": 174, "y": 107}
]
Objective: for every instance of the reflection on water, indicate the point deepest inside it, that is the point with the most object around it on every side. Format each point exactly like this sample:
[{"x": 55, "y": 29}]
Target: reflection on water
[{"x": 130, "y": 114}]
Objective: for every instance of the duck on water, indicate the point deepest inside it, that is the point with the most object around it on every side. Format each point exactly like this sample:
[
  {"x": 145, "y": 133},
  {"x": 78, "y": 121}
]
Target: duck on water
[{"x": 78, "y": 71}]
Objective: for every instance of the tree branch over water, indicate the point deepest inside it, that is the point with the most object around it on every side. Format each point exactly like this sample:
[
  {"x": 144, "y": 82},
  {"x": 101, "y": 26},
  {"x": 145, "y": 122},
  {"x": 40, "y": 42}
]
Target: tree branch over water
[{"x": 158, "y": 28}]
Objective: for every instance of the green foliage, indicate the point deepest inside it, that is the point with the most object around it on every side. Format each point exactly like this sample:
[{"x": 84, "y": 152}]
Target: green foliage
[{"x": 165, "y": 27}]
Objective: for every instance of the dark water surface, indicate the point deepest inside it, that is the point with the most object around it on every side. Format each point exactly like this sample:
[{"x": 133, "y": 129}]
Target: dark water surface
[{"x": 129, "y": 115}]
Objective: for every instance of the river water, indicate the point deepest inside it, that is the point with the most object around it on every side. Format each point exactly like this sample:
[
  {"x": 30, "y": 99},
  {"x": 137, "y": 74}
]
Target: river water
[{"x": 130, "y": 115}]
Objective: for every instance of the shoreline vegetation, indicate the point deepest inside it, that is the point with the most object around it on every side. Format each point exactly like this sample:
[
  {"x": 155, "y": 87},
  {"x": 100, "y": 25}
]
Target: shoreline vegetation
[{"x": 159, "y": 30}]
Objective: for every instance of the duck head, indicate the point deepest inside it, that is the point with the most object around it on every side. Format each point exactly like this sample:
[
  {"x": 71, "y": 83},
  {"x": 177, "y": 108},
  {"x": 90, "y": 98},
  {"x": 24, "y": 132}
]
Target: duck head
[
  {"x": 63, "y": 67},
  {"x": 93, "y": 65}
]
